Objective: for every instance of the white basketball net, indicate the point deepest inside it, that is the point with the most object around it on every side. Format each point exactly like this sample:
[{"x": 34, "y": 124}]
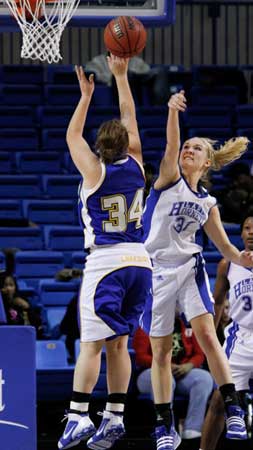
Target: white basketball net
[{"x": 42, "y": 32}]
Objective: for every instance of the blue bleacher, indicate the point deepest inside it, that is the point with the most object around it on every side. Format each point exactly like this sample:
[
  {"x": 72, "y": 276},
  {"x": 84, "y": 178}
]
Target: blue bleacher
[
  {"x": 20, "y": 186},
  {"x": 244, "y": 116},
  {"x": 38, "y": 162},
  {"x": 64, "y": 238},
  {"x": 6, "y": 162},
  {"x": 212, "y": 259},
  {"x": 57, "y": 293},
  {"x": 152, "y": 138},
  {"x": 2, "y": 261},
  {"x": 152, "y": 117},
  {"x": 222, "y": 95},
  {"x": 69, "y": 165},
  {"x": 78, "y": 259},
  {"x": 54, "y": 315},
  {"x": 20, "y": 94},
  {"x": 22, "y": 238},
  {"x": 54, "y": 138},
  {"x": 219, "y": 134},
  {"x": 19, "y": 139},
  {"x": 234, "y": 233},
  {"x": 10, "y": 209},
  {"x": 16, "y": 116},
  {"x": 61, "y": 186},
  {"x": 51, "y": 354},
  {"x": 3, "y": 319},
  {"x": 208, "y": 117},
  {"x": 21, "y": 74},
  {"x": 51, "y": 211},
  {"x": 54, "y": 116},
  {"x": 39, "y": 264}
]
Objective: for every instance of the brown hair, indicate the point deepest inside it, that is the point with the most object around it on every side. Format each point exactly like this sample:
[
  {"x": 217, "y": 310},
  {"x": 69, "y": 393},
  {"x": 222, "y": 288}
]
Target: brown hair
[{"x": 112, "y": 141}]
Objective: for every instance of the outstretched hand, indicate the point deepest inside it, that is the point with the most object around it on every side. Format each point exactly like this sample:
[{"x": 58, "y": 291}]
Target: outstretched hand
[
  {"x": 246, "y": 258},
  {"x": 87, "y": 86},
  {"x": 177, "y": 102},
  {"x": 118, "y": 66}
]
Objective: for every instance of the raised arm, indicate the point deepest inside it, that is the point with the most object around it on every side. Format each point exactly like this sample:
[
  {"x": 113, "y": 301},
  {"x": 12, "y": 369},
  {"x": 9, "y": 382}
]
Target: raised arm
[
  {"x": 84, "y": 159},
  {"x": 215, "y": 231},
  {"x": 118, "y": 67},
  {"x": 221, "y": 289},
  {"x": 169, "y": 169}
]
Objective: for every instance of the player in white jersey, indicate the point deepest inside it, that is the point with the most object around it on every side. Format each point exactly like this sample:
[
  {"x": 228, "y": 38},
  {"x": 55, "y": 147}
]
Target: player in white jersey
[
  {"x": 176, "y": 210},
  {"x": 236, "y": 281},
  {"x": 118, "y": 274}
]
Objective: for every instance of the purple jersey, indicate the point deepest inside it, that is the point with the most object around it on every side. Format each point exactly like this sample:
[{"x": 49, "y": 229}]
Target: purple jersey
[{"x": 111, "y": 212}]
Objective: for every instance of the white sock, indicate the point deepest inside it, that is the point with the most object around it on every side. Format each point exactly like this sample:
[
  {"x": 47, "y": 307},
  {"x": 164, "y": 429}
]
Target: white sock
[{"x": 82, "y": 407}]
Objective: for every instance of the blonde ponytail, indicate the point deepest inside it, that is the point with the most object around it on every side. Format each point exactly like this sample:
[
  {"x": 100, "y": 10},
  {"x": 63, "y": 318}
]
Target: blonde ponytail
[{"x": 227, "y": 153}]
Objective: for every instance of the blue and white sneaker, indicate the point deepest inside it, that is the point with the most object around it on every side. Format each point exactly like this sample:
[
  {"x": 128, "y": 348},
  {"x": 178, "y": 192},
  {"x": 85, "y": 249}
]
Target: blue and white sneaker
[
  {"x": 110, "y": 430},
  {"x": 236, "y": 427},
  {"x": 79, "y": 428},
  {"x": 166, "y": 440}
]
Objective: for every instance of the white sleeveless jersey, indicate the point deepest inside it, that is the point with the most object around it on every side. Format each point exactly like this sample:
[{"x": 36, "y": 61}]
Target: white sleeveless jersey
[
  {"x": 241, "y": 295},
  {"x": 173, "y": 220}
]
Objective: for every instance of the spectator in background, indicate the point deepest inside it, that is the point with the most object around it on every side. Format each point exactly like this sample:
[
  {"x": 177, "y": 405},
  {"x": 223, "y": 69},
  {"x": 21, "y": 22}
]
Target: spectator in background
[
  {"x": 237, "y": 198},
  {"x": 18, "y": 310},
  {"x": 188, "y": 377}
]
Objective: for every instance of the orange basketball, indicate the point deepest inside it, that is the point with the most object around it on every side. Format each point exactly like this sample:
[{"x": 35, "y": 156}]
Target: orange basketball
[
  {"x": 125, "y": 36},
  {"x": 21, "y": 8}
]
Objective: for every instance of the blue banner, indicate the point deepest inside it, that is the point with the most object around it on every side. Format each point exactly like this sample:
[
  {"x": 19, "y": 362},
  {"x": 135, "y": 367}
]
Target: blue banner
[{"x": 17, "y": 388}]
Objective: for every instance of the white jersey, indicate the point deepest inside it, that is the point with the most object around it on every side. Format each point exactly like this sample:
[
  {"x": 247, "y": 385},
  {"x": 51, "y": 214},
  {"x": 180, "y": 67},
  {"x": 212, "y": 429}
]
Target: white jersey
[
  {"x": 173, "y": 220},
  {"x": 241, "y": 295}
]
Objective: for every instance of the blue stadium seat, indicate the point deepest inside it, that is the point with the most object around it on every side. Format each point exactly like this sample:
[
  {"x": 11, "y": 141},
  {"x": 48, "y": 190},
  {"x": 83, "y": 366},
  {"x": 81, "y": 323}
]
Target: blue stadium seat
[
  {"x": 57, "y": 293},
  {"x": 10, "y": 209},
  {"x": 51, "y": 211},
  {"x": 219, "y": 134},
  {"x": 64, "y": 238},
  {"x": 22, "y": 238},
  {"x": 69, "y": 165},
  {"x": 206, "y": 117},
  {"x": 6, "y": 162},
  {"x": 54, "y": 315},
  {"x": 16, "y": 116},
  {"x": 222, "y": 95},
  {"x": 152, "y": 117},
  {"x": 62, "y": 94},
  {"x": 62, "y": 186},
  {"x": 39, "y": 264},
  {"x": 18, "y": 139},
  {"x": 212, "y": 259},
  {"x": 21, "y": 74},
  {"x": 54, "y": 116},
  {"x": 20, "y": 186},
  {"x": 153, "y": 138},
  {"x": 234, "y": 233},
  {"x": 2, "y": 261},
  {"x": 51, "y": 354},
  {"x": 78, "y": 259},
  {"x": 38, "y": 162},
  {"x": 20, "y": 94},
  {"x": 98, "y": 114},
  {"x": 60, "y": 74},
  {"x": 244, "y": 116},
  {"x": 54, "y": 138},
  {"x": 3, "y": 319}
]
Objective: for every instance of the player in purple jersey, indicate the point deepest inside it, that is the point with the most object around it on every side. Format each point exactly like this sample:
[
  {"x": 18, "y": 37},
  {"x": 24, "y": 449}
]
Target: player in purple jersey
[
  {"x": 176, "y": 210},
  {"x": 118, "y": 275},
  {"x": 236, "y": 281}
]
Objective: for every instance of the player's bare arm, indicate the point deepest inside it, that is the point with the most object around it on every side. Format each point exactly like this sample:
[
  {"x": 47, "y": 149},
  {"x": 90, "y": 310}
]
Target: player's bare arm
[
  {"x": 85, "y": 160},
  {"x": 221, "y": 289},
  {"x": 215, "y": 231},
  {"x": 119, "y": 67},
  {"x": 169, "y": 169}
]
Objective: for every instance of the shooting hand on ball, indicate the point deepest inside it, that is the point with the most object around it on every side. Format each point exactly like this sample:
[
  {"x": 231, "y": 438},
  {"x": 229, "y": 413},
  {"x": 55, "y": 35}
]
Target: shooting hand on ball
[{"x": 118, "y": 66}]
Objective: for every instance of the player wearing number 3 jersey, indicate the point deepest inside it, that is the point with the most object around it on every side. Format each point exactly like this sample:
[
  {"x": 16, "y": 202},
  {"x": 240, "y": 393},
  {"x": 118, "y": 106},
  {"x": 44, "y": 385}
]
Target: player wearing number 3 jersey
[
  {"x": 118, "y": 275},
  {"x": 176, "y": 211}
]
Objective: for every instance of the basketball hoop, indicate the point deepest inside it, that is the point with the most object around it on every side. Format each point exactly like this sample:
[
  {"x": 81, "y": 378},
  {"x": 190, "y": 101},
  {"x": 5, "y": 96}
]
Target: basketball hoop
[{"x": 42, "y": 23}]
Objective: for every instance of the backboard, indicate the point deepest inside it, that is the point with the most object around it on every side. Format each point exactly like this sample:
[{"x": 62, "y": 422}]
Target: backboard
[{"x": 96, "y": 13}]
